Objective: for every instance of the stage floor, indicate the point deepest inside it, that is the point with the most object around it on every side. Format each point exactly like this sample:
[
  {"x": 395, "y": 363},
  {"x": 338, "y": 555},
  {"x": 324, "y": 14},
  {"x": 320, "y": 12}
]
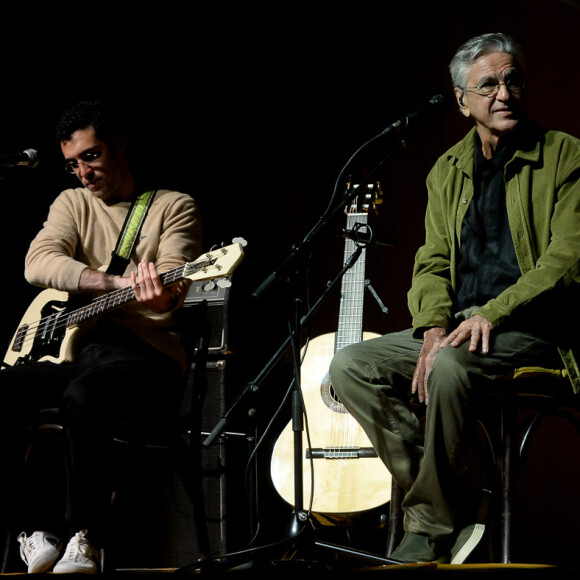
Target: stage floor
[{"x": 302, "y": 570}]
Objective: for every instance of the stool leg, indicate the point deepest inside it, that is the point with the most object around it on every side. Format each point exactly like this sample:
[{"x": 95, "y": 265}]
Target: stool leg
[
  {"x": 8, "y": 551},
  {"x": 395, "y": 518},
  {"x": 508, "y": 420}
]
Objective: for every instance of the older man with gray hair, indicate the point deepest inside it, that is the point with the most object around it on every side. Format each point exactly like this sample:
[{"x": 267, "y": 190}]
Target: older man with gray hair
[{"x": 499, "y": 264}]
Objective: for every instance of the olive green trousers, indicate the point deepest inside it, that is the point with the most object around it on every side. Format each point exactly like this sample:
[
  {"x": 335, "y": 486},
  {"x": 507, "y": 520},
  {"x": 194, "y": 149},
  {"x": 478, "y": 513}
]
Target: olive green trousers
[{"x": 373, "y": 380}]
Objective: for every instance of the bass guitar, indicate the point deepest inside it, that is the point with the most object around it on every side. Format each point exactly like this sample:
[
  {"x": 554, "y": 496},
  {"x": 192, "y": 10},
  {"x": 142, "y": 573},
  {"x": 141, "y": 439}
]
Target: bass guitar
[
  {"x": 50, "y": 328},
  {"x": 347, "y": 475}
]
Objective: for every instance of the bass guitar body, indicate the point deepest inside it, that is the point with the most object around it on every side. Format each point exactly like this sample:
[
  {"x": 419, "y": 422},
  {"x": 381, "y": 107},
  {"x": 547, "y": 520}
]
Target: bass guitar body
[{"x": 54, "y": 342}]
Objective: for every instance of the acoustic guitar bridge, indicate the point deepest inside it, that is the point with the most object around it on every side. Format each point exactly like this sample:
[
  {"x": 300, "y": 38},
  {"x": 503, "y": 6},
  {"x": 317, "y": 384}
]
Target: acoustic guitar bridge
[{"x": 340, "y": 453}]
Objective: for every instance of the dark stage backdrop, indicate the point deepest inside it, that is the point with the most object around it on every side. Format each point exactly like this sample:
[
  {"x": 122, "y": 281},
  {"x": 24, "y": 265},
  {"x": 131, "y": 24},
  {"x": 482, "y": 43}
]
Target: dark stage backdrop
[{"x": 255, "y": 111}]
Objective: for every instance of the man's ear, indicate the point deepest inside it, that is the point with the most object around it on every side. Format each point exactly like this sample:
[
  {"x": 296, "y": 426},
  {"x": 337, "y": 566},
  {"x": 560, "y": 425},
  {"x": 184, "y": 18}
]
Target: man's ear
[
  {"x": 459, "y": 95},
  {"x": 120, "y": 144}
]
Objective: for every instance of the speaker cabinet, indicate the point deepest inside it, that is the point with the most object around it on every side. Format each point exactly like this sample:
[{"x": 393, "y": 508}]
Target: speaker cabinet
[
  {"x": 228, "y": 508},
  {"x": 154, "y": 518}
]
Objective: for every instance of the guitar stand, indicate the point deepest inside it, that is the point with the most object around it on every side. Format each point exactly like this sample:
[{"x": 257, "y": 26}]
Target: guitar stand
[{"x": 300, "y": 536}]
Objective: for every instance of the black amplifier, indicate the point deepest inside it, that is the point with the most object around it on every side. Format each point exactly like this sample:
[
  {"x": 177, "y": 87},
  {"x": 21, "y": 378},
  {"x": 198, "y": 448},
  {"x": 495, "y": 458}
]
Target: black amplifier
[{"x": 211, "y": 301}]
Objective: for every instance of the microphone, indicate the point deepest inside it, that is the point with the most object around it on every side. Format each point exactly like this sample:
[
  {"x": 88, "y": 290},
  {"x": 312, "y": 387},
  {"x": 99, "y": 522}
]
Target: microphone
[
  {"x": 365, "y": 237},
  {"x": 435, "y": 105},
  {"x": 28, "y": 158}
]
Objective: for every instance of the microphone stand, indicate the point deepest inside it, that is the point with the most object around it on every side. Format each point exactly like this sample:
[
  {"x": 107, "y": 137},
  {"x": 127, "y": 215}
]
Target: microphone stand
[
  {"x": 297, "y": 250},
  {"x": 299, "y": 530},
  {"x": 298, "y": 525}
]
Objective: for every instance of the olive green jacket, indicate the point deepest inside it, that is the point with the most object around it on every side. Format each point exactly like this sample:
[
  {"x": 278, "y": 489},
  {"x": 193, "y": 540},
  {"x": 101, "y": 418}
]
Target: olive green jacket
[{"x": 542, "y": 184}]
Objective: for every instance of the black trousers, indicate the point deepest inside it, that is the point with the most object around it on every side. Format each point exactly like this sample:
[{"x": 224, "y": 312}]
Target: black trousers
[{"x": 106, "y": 384}]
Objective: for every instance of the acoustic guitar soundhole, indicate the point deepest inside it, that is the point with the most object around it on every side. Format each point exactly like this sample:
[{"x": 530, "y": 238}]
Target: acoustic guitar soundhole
[{"x": 330, "y": 397}]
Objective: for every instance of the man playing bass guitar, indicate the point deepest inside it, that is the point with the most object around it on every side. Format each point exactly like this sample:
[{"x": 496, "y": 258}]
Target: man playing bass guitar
[{"x": 128, "y": 364}]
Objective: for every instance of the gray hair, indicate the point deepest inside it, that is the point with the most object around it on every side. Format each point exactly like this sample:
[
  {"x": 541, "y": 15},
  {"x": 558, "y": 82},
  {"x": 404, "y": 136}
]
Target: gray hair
[{"x": 480, "y": 46}]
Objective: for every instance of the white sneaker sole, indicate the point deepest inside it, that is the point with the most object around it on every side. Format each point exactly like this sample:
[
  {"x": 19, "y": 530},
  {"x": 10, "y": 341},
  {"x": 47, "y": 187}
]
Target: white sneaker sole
[{"x": 471, "y": 540}]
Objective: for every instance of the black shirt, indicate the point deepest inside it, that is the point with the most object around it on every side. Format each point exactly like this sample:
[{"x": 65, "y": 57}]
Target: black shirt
[{"x": 487, "y": 259}]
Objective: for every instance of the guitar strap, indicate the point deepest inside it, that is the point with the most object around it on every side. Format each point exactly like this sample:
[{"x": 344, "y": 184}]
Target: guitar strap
[{"x": 121, "y": 255}]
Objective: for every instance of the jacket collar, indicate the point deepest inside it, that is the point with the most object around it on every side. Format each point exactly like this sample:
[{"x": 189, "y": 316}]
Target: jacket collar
[{"x": 530, "y": 140}]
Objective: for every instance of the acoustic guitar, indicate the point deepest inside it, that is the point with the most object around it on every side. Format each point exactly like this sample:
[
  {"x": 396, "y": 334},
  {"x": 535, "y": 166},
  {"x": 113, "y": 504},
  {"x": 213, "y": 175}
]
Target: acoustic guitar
[
  {"x": 50, "y": 328},
  {"x": 347, "y": 474}
]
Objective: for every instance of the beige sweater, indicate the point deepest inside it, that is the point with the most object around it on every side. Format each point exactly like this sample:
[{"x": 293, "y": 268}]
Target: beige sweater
[{"x": 81, "y": 231}]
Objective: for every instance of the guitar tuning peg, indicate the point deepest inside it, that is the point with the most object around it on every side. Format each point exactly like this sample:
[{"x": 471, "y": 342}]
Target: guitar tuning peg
[
  {"x": 224, "y": 283},
  {"x": 378, "y": 194},
  {"x": 209, "y": 286},
  {"x": 240, "y": 241}
]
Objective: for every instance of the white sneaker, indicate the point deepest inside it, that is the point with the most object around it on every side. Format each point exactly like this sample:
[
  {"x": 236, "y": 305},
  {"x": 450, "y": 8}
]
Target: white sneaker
[
  {"x": 40, "y": 551},
  {"x": 467, "y": 540},
  {"x": 470, "y": 536},
  {"x": 79, "y": 557}
]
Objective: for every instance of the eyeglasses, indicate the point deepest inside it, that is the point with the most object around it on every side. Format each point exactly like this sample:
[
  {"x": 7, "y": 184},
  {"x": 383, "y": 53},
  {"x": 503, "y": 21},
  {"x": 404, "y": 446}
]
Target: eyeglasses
[
  {"x": 491, "y": 88},
  {"x": 88, "y": 159}
]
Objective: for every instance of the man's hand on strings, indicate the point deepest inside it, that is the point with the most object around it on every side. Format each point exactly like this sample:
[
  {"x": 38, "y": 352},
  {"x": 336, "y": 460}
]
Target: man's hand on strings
[{"x": 150, "y": 292}]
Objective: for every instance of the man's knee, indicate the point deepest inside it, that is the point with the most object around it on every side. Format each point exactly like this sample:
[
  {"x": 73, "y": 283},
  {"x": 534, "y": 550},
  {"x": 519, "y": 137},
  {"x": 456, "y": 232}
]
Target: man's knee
[
  {"x": 345, "y": 371},
  {"x": 450, "y": 374},
  {"x": 81, "y": 397},
  {"x": 340, "y": 364},
  {"x": 451, "y": 361}
]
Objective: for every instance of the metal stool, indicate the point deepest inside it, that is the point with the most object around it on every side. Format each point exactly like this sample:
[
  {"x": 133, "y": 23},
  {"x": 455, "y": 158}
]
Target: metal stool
[{"x": 542, "y": 393}]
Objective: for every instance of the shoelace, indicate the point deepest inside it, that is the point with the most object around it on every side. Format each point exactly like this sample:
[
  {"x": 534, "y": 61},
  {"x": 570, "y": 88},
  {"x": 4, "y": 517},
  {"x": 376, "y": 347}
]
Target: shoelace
[
  {"x": 28, "y": 545},
  {"x": 79, "y": 547}
]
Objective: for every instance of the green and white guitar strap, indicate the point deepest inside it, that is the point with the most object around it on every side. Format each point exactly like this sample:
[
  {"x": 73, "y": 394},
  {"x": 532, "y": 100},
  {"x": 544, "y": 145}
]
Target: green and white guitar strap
[{"x": 121, "y": 255}]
